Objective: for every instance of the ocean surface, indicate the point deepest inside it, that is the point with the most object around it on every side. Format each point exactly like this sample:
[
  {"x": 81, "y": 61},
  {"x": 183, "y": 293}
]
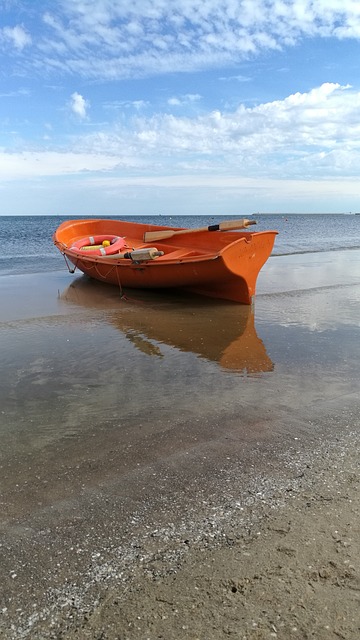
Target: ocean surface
[{"x": 27, "y": 247}]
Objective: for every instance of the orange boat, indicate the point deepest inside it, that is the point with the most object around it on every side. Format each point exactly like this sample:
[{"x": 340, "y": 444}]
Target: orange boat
[{"x": 214, "y": 261}]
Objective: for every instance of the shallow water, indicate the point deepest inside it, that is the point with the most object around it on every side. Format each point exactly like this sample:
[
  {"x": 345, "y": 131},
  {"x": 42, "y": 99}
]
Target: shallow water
[{"x": 80, "y": 362}]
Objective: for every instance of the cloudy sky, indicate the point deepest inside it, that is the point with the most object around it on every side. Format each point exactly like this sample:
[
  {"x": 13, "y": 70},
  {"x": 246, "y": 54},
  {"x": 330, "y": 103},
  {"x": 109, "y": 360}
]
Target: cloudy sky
[{"x": 218, "y": 107}]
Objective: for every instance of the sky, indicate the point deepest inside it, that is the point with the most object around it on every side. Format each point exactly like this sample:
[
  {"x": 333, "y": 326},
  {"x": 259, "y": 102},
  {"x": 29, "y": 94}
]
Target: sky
[{"x": 212, "y": 107}]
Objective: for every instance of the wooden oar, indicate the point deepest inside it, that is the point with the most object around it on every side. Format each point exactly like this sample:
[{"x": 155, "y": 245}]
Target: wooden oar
[{"x": 227, "y": 225}]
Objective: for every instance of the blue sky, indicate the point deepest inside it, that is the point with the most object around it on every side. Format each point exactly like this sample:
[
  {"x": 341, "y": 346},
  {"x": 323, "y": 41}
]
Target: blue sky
[{"x": 219, "y": 107}]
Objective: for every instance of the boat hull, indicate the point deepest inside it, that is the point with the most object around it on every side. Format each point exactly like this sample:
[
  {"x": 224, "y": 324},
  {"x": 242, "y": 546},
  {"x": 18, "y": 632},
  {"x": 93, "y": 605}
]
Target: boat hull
[{"x": 216, "y": 264}]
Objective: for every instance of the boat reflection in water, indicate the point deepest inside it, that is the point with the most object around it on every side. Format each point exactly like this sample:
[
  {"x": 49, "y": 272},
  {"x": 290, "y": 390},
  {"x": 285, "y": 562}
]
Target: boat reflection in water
[{"x": 221, "y": 332}]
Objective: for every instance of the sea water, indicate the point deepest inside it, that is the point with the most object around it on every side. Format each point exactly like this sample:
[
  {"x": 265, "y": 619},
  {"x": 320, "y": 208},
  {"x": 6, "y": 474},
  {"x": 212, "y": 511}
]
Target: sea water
[
  {"x": 26, "y": 241},
  {"x": 83, "y": 369}
]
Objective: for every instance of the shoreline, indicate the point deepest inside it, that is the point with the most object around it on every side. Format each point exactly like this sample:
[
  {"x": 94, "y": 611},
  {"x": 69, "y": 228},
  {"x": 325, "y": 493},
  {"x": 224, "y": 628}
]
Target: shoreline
[
  {"x": 268, "y": 550},
  {"x": 181, "y": 471}
]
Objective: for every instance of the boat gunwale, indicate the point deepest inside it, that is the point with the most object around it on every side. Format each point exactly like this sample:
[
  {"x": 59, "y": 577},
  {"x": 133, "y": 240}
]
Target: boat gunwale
[
  {"x": 190, "y": 254},
  {"x": 164, "y": 260}
]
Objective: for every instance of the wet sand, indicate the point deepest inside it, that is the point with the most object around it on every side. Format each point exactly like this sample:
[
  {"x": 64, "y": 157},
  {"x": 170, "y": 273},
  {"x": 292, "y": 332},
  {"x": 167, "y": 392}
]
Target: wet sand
[{"x": 176, "y": 468}]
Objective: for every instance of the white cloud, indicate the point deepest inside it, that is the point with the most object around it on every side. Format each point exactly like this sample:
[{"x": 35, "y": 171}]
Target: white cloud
[
  {"x": 29, "y": 164},
  {"x": 138, "y": 105},
  {"x": 238, "y": 78},
  {"x": 152, "y": 36},
  {"x": 17, "y": 35},
  {"x": 14, "y": 94},
  {"x": 79, "y": 105},
  {"x": 236, "y": 183},
  {"x": 313, "y": 135},
  {"x": 316, "y": 133},
  {"x": 187, "y": 98}
]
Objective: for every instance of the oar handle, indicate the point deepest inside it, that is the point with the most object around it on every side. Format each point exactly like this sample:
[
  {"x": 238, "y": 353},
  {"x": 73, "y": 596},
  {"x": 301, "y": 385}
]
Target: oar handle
[{"x": 229, "y": 225}]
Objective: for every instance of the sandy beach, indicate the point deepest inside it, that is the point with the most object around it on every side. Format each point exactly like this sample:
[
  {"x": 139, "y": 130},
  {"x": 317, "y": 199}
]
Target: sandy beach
[{"x": 177, "y": 468}]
